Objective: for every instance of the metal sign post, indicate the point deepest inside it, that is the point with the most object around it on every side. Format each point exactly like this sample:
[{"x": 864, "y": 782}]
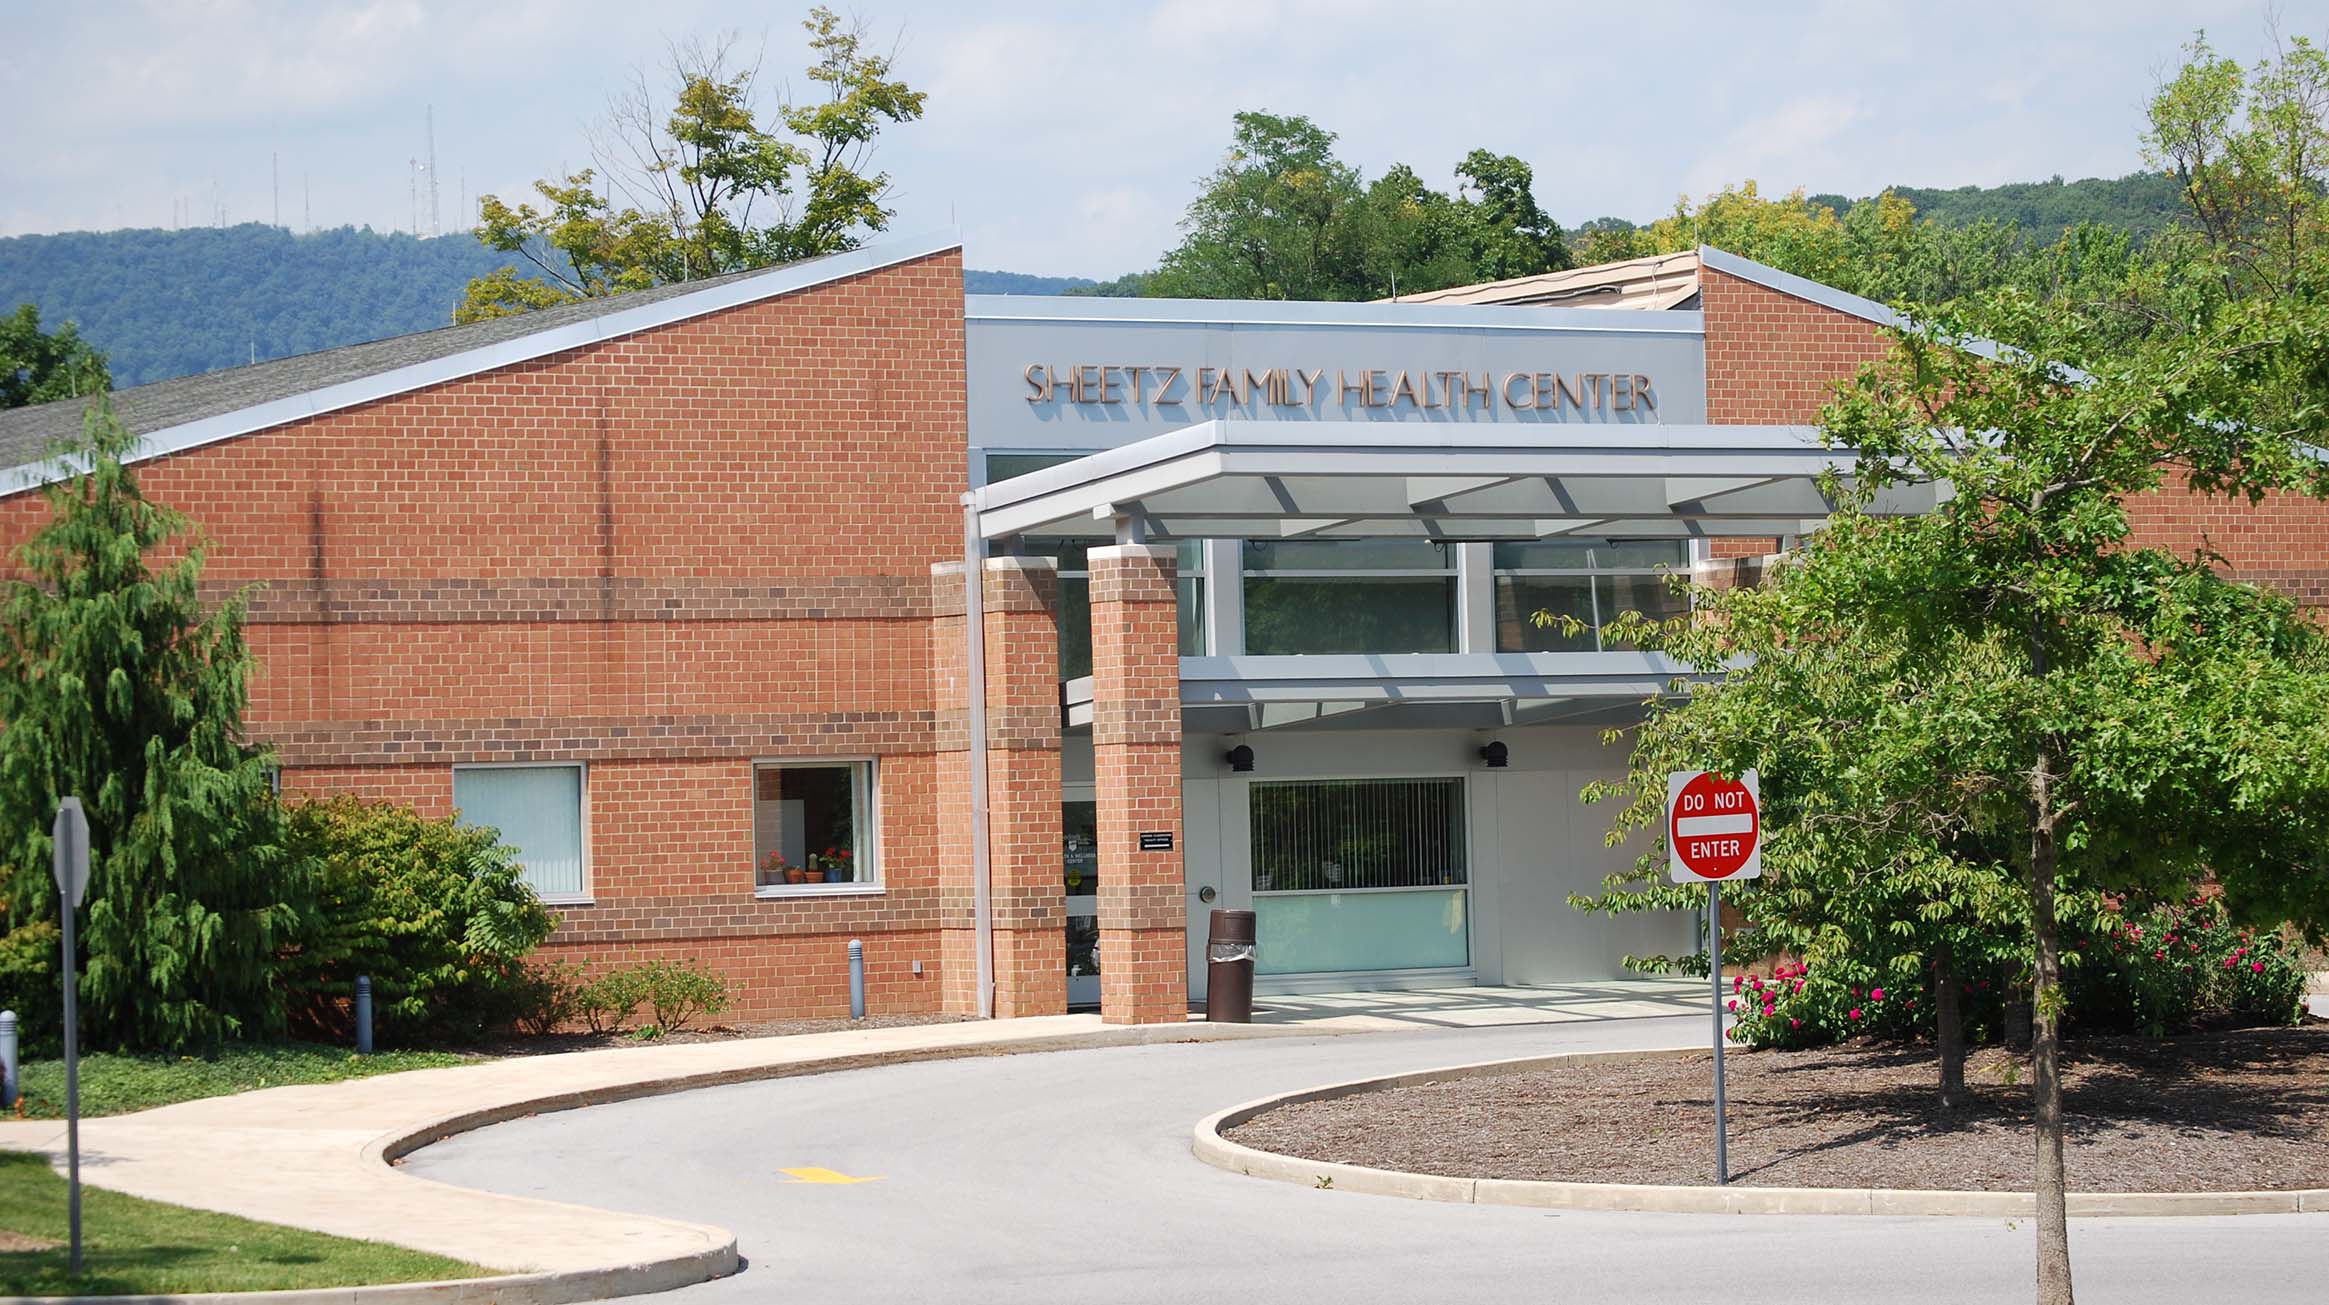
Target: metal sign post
[
  {"x": 1722, "y": 1123},
  {"x": 70, "y": 835},
  {"x": 1714, "y": 832}
]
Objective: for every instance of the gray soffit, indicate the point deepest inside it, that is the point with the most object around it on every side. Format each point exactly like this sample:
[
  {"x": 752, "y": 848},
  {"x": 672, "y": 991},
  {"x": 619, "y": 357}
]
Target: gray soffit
[
  {"x": 190, "y": 411},
  {"x": 1342, "y": 479},
  {"x": 1348, "y": 691}
]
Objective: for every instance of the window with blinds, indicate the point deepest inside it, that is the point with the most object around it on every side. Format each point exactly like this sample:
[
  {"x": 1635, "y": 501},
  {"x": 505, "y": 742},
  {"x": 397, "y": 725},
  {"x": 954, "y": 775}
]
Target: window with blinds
[
  {"x": 538, "y": 811},
  {"x": 1348, "y": 834}
]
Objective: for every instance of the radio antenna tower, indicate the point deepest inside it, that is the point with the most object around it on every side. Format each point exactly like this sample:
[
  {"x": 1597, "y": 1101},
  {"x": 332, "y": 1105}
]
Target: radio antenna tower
[{"x": 435, "y": 226}]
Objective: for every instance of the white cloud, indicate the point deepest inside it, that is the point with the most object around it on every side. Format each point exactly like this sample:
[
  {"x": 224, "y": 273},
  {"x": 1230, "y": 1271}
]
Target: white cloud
[{"x": 1067, "y": 136}]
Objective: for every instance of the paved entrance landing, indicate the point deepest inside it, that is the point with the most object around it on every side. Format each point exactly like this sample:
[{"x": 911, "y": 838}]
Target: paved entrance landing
[{"x": 1603, "y": 999}]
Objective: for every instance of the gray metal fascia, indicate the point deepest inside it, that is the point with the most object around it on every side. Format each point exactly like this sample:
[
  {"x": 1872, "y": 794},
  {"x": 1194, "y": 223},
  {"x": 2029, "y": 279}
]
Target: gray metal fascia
[{"x": 1233, "y": 313}]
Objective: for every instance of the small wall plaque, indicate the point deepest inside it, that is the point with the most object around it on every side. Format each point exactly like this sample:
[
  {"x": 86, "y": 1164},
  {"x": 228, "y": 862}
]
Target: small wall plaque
[{"x": 1160, "y": 840}]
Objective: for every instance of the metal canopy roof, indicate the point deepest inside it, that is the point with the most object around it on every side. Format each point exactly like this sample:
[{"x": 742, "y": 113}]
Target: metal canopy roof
[{"x": 1474, "y": 481}]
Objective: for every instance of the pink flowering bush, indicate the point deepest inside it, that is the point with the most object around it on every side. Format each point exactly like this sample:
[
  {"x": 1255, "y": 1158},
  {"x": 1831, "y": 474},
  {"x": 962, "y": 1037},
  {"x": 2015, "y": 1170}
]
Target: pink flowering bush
[
  {"x": 1800, "y": 1005},
  {"x": 2153, "y": 971},
  {"x": 2161, "y": 969}
]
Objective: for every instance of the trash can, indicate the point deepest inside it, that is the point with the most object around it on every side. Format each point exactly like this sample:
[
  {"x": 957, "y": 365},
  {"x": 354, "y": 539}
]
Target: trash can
[{"x": 1229, "y": 952}]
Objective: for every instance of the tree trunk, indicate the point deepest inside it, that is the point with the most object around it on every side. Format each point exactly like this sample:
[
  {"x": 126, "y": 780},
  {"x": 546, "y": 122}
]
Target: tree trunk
[
  {"x": 2046, "y": 1048},
  {"x": 1949, "y": 1026}
]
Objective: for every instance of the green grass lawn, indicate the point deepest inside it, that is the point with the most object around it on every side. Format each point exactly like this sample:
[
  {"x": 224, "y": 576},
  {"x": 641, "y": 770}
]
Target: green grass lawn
[
  {"x": 134, "y": 1247},
  {"x": 116, "y": 1085}
]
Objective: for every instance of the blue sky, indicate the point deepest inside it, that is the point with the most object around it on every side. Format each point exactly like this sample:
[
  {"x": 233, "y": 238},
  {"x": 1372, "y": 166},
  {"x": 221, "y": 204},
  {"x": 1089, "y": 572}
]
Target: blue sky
[{"x": 1065, "y": 138}]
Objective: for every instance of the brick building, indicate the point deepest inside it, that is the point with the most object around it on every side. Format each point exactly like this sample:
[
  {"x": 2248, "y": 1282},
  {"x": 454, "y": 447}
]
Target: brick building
[{"x": 675, "y": 590}]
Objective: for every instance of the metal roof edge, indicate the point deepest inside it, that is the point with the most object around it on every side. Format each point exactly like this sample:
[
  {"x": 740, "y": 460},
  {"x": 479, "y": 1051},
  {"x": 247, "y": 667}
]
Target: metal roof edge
[
  {"x": 1826, "y": 296},
  {"x": 615, "y": 324},
  {"x": 1802, "y": 287}
]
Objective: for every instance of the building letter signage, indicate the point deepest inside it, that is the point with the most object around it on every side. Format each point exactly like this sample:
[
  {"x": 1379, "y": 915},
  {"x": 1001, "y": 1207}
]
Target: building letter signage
[{"x": 1583, "y": 394}]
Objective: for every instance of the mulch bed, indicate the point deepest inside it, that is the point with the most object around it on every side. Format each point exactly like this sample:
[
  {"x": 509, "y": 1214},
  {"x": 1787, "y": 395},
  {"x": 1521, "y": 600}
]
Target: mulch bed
[
  {"x": 555, "y": 1042},
  {"x": 2225, "y": 1111}
]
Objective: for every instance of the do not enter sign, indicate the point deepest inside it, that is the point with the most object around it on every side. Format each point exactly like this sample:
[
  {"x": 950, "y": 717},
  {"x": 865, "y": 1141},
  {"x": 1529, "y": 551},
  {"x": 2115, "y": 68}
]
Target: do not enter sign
[{"x": 1714, "y": 827}]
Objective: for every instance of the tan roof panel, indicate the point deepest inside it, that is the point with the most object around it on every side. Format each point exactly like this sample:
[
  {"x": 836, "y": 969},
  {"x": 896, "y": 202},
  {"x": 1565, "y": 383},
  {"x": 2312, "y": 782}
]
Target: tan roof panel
[{"x": 1659, "y": 281}]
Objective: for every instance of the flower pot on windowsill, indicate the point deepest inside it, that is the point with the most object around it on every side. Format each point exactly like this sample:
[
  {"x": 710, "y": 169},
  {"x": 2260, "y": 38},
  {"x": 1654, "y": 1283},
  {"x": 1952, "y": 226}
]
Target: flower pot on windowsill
[
  {"x": 793, "y": 874},
  {"x": 815, "y": 876}
]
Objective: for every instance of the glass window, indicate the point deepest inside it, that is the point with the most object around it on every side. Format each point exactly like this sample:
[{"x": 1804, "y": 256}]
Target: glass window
[
  {"x": 1365, "y": 874},
  {"x": 811, "y": 823},
  {"x": 1357, "y": 833},
  {"x": 1350, "y": 596},
  {"x": 1080, "y": 824},
  {"x": 1075, "y": 599},
  {"x": 1006, "y": 466},
  {"x": 538, "y": 812},
  {"x": 1590, "y": 580}
]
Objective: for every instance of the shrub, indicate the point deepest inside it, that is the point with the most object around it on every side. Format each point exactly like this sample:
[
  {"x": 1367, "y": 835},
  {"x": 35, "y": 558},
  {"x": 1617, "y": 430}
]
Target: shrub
[
  {"x": 2158, "y": 969},
  {"x": 1801, "y": 1005},
  {"x": 605, "y": 1004},
  {"x": 433, "y": 910},
  {"x": 548, "y": 997},
  {"x": 675, "y": 993},
  {"x": 679, "y": 991},
  {"x": 32, "y": 983}
]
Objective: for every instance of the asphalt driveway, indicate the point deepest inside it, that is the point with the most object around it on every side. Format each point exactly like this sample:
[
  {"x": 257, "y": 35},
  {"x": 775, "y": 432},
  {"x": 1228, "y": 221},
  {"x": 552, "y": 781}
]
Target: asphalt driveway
[{"x": 1067, "y": 1177}]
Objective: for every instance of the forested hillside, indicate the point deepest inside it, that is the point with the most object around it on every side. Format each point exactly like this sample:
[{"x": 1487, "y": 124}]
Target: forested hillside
[
  {"x": 2140, "y": 202},
  {"x": 168, "y": 303}
]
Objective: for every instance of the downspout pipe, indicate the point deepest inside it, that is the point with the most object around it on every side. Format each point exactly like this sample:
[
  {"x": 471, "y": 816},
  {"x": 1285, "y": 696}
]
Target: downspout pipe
[{"x": 974, "y": 627}]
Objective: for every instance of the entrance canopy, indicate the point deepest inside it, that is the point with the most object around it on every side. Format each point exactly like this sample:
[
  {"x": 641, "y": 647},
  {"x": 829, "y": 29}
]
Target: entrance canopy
[{"x": 1474, "y": 481}]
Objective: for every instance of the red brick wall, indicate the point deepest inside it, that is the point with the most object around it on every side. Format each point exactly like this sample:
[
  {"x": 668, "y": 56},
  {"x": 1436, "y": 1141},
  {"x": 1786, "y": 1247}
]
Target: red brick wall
[
  {"x": 664, "y": 555},
  {"x": 1771, "y": 357}
]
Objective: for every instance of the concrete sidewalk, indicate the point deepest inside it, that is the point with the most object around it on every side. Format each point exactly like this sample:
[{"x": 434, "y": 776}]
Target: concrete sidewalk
[{"x": 320, "y": 1157}]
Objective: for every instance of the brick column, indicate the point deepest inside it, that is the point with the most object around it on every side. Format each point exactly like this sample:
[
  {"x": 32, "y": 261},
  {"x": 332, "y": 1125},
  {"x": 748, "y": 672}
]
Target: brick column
[
  {"x": 1136, "y": 757},
  {"x": 1023, "y": 815}
]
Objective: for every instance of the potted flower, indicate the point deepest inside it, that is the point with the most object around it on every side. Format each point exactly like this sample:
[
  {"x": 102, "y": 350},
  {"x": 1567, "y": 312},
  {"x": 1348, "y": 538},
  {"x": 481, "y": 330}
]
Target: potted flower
[{"x": 777, "y": 870}]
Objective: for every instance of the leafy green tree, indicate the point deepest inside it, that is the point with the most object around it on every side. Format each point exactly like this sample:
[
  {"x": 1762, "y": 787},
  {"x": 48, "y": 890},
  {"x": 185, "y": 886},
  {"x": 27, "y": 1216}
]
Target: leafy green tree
[
  {"x": 1284, "y": 218},
  {"x": 37, "y": 366},
  {"x": 119, "y": 687},
  {"x": 2078, "y": 715},
  {"x": 704, "y": 187},
  {"x": 1874, "y": 876},
  {"x": 1270, "y": 223},
  {"x": 2249, "y": 150}
]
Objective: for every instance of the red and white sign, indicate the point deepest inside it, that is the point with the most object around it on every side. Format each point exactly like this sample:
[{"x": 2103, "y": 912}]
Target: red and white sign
[{"x": 1714, "y": 827}]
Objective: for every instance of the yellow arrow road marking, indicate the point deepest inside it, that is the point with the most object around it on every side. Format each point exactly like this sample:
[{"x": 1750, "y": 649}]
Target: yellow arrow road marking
[{"x": 816, "y": 1175}]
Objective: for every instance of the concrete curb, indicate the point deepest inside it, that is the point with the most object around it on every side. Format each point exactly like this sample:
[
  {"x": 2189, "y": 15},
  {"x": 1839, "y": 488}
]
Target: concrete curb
[
  {"x": 1216, "y": 1150},
  {"x": 714, "y": 1252}
]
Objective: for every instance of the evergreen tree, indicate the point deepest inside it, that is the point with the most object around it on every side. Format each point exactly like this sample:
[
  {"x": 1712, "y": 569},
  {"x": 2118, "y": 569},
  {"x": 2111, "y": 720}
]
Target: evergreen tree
[{"x": 116, "y": 685}]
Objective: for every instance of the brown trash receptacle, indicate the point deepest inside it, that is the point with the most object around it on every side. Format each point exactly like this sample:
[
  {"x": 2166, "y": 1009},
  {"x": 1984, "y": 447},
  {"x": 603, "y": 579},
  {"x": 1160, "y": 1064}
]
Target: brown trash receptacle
[{"x": 1229, "y": 953}]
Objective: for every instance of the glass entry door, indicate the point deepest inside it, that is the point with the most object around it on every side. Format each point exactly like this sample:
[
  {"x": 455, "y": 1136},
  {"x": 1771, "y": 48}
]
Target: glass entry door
[{"x": 1080, "y": 869}]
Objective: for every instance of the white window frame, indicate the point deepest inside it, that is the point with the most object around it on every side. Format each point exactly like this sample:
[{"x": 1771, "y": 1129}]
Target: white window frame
[
  {"x": 581, "y": 814},
  {"x": 867, "y": 819}
]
